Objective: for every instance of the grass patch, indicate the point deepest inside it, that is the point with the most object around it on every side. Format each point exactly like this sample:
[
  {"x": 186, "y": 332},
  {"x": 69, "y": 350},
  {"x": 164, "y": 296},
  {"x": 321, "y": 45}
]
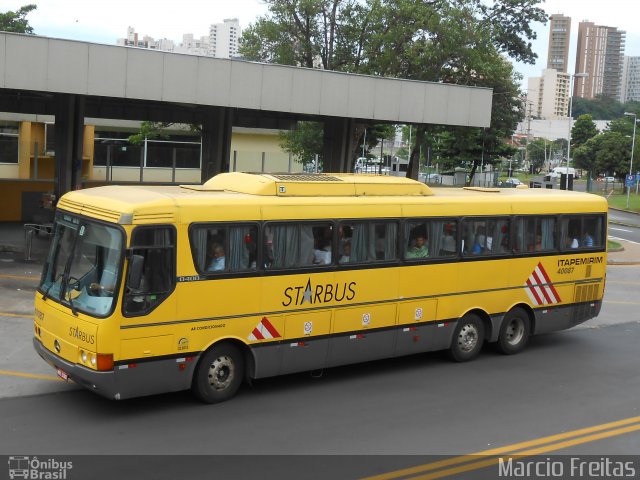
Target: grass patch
[
  {"x": 619, "y": 200},
  {"x": 612, "y": 245}
]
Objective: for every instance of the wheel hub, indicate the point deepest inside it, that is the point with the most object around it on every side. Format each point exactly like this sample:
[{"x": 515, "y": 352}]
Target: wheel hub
[
  {"x": 515, "y": 331},
  {"x": 221, "y": 372},
  {"x": 468, "y": 338}
]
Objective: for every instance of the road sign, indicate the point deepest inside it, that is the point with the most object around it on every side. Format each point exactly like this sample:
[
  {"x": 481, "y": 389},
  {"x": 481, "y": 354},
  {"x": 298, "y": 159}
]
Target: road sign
[{"x": 630, "y": 180}]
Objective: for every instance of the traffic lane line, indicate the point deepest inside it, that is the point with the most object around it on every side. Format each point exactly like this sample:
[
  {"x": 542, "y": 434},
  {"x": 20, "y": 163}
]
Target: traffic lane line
[
  {"x": 528, "y": 453},
  {"x": 35, "y": 376},
  {"x": 17, "y": 315},
  {"x": 555, "y": 442},
  {"x": 21, "y": 277}
]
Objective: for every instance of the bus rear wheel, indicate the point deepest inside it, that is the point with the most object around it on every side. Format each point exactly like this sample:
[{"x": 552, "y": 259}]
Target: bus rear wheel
[
  {"x": 468, "y": 338},
  {"x": 514, "y": 332},
  {"x": 219, "y": 374}
]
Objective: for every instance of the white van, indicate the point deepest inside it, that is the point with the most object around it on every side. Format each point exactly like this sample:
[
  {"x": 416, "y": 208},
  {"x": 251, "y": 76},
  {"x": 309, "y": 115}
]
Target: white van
[{"x": 557, "y": 171}]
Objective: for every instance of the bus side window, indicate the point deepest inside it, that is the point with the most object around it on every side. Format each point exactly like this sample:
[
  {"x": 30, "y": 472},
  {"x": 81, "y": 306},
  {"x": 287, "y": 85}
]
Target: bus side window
[
  {"x": 373, "y": 241},
  {"x": 156, "y": 245}
]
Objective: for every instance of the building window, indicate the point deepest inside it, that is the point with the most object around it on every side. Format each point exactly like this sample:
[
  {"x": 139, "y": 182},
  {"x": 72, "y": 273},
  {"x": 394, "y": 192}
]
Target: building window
[{"x": 8, "y": 142}]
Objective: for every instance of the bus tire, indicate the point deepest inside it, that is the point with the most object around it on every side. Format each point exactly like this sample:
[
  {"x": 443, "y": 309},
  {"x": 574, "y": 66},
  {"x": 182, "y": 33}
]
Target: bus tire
[
  {"x": 468, "y": 338},
  {"x": 514, "y": 331},
  {"x": 219, "y": 374}
]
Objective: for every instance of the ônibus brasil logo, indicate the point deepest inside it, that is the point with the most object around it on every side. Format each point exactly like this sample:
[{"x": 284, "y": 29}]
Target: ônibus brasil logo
[{"x": 38, "y": 469}]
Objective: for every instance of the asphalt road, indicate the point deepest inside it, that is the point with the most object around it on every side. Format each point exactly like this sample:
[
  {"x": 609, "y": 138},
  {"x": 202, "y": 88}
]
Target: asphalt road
[{"x": 421, "y": 405}]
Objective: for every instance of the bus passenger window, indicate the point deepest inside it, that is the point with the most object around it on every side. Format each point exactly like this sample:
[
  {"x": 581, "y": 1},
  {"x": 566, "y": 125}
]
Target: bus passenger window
[
  {"x": 220, "y": 249},
  {"x": 156, "y": 245},
  {"x": 486, "y": 236},
  {"x": 416, "y": 235},
  {"x": 448, "y": 233},
  {"x": 292, "y": 245},
  {"x": 582, "y": 231},
  {"x": 375, "y": 241}
]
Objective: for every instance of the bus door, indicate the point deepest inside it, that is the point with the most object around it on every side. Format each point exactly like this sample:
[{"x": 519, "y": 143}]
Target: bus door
[{"x": 148, "y": 300}]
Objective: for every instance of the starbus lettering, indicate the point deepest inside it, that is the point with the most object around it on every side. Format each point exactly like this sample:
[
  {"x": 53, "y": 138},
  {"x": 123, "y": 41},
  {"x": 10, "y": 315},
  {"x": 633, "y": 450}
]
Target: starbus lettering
[
  {"x": 320, "y": 293},
  {"x": 75, "y": 332}
]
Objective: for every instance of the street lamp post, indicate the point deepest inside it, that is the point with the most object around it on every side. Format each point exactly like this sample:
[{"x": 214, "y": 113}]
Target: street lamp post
[
  {"x": 633, "y": 144},
  {"x": 579, "y": 75}
]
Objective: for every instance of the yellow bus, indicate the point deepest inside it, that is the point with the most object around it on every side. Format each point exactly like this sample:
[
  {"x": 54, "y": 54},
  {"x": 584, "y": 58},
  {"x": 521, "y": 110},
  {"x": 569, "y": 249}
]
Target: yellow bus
[{"x": 157, "y": 289}]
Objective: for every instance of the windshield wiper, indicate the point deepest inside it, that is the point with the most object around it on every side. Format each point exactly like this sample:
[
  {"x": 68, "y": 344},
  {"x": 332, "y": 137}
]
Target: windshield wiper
[
  {"x": 45, "y": 295},
  {"x": 74, "y": 310}
]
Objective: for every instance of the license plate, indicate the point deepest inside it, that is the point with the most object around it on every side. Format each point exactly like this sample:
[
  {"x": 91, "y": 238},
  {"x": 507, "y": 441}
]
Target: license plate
[{"x": 62, "y": 374}]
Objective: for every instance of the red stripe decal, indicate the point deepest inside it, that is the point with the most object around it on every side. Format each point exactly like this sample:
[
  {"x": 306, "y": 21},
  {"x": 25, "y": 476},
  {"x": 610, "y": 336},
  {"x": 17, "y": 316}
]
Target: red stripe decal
[
  {"x": 543, "y": 289},
  {"x": 267, "y": 324},
  {"x": 533, "y": 292},
  {"x": 546, "y": 277},
  {"x": 257, "y": 334}
]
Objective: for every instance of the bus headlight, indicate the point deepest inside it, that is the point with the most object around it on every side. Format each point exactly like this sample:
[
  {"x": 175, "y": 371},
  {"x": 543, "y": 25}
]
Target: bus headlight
[{"x": 83, "y": 356}]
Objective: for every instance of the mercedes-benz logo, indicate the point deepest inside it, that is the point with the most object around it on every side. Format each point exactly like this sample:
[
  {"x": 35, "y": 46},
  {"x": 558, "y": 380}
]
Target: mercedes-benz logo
[{"x": 56, "y": 344}]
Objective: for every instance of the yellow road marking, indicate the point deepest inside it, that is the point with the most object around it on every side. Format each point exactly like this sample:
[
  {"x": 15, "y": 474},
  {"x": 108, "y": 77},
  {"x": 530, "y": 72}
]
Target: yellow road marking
[
  {"x": 529, "y": 453},
  {"x": 21, "y": 277},
  {"x": 620, "y": 302},
  {"x": 36, "y": 376},
  {"x": 556, "y": 442},
  {"x": 19, "y": 315}
]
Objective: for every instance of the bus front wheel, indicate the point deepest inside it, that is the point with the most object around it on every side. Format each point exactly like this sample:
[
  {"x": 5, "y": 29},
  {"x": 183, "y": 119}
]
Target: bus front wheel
[
  {"x": 468, "y": 338},
  {"x": 514, "y": 332},
  {"x": 219, "y": 374}
]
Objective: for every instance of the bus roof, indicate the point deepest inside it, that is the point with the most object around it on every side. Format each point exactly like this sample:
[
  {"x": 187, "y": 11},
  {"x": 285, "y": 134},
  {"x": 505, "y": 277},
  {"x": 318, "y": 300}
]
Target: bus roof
[{"x": 253, "y": 195}]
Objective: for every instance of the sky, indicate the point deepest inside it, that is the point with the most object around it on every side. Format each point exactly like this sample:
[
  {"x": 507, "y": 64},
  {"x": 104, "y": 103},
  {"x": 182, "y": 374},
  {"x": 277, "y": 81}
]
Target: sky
[{"x": 106, "y": 21}]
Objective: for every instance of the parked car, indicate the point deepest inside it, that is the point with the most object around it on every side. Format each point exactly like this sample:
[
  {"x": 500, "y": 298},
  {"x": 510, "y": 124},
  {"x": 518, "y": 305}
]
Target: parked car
[
  {"x": 610, "y": 179},
  {"x": 511, "y": 183},
  {"x": 433, "y": 178}
]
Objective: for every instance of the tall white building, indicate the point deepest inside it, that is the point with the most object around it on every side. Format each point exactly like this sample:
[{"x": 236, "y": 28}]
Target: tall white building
[
  {"x": 223, "y": 38},
  {"x": 549, "y": 94},
  {"x": 193, "y": 46},
  {"x": 630, "y": 90}
]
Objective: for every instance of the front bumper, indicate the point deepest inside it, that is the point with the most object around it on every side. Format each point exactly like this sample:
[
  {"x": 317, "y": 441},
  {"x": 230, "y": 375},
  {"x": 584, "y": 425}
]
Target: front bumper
[{"x": 103, "y": 383}]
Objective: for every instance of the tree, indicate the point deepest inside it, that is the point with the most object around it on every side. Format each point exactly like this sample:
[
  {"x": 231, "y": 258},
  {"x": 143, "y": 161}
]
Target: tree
[
  {"x": 17, "y": 22},
  {"x": 537, "y": 152},
  {"x": 583, "y": 130},
  {"x": 613, "y": 154},
  {"x": 585, "y": 155},
  {"x": 150, "y": 130},
  {"x": 303, "y": 142},
  {"x": 433, "y": 40}
]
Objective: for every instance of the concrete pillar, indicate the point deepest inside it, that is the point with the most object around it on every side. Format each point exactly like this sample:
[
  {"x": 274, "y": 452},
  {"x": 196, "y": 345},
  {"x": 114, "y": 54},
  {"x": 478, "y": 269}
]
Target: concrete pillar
[
  {"x": 338, "y": 144},
  {"x": 69, "y": 136},
  {"x": 216, "y": 141}
]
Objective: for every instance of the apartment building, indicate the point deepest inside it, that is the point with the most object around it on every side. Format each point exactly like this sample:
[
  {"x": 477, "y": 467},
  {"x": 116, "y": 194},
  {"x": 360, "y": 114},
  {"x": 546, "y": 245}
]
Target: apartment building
[
  {"x": 559, "y": 36},
  {"x": 548, "y": 95},
  {"x": 599, "y": 54},
  {"x": 223, "y": 38},
  {"x": 630, "y": 90}
]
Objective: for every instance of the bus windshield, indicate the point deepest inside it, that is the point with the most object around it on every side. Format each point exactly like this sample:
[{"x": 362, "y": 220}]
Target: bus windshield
[{"x": 82, "y": 270}]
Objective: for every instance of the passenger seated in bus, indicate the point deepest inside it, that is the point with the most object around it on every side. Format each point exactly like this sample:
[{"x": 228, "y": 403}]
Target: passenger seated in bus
[
  {"x": 322, "y": 252},
  {"x": 419, "y": 248},
  {"x": 346, "y": 253},
  {"x": 587, "y": 240},
  {"x": 217, "y": 261},
  {"x": 537, "y": 246},
  {"x": 479, "y": 245},
  {"x": 572, "y": 241}
]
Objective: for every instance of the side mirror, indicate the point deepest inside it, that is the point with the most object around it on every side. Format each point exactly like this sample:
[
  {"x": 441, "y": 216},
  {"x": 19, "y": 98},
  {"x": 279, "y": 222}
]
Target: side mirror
[{"x": 136, "y": 264}]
